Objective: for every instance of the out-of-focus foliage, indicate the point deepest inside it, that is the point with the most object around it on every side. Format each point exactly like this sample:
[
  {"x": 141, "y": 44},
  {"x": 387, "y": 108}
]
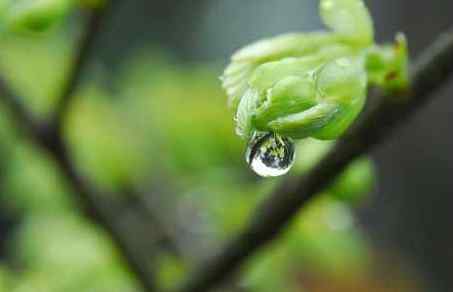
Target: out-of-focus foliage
[
  {"x": 143, "y": 130},
  {"x": 158, "y": 121},
  {"x": 35, "y": 67},
  {"x": 53, "y": 247},
  {"x": 79, "y": 254},
  {"x": 42, "y": 191},
  {"x": 5, "y": 278},
  {"x": 171, "y": 270},
  {"x": 323, "y": 238},
  {"x": 28, "y": 17},
  {"x": 35, "y": 15},
  {"x": 354, "y": 182},
  {"x": 92, "y": 3}
]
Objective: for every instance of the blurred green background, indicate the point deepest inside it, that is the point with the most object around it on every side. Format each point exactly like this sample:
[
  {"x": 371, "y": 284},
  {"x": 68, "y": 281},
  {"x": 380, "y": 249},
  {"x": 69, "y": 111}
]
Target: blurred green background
[{"x": 151, "y": 116}]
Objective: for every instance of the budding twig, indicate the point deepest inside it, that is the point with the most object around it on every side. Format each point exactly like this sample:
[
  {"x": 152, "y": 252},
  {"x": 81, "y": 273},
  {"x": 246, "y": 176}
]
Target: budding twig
[
  {"x": 49, "y": 136},
  {"x": 273, "y": 215}
]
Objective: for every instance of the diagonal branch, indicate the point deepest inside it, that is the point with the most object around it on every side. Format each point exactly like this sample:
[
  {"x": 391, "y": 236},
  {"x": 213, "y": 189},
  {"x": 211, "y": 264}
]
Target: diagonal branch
[
  {"x": 274, "y": 214},
  {"x": 86, "y": 46},
  {"x": 50, "y": 138},
  {"x": 101, "y": 213},
  {"x": 25, "y": 120}
]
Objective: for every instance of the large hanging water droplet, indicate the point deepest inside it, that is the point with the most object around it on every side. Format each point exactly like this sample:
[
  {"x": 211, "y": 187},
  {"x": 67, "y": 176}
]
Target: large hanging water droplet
[{"x": 269, "y": 154}]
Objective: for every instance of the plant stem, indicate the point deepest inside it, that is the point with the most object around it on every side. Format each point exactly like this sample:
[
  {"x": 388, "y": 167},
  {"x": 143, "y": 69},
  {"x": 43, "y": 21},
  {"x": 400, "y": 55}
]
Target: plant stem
[
  {"x": 273, "y": 215},
  {"x": 49, "y": 137},
  {"x": 84, "y": 50}
]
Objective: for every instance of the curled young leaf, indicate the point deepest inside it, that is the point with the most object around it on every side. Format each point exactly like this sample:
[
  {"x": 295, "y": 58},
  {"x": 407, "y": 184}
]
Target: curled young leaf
[
  {"x": 313, "y": 84},
  {"x": 301, "y": 85},
  {"x": 348, "y": 17}
]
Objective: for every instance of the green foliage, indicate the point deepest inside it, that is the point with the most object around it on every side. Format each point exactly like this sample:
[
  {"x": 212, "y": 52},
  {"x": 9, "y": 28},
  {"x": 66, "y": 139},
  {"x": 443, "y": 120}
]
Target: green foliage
[
  {"x": 42, "y": 190},
  {"x": 101, "y": 150},
  {"x": 352, "y": 186},
  {"x": 171, "y": 270},
  {"x": 36, "y": 15},
  {"x": 5, "y": 279},
  {"x": 355, "y": 182},
  {"x": 115, "y": 141},
  {"x": 93, "y": 261},
  {"x": 34, "y": 67},
  {"x": 348, "y": 17},
  {"x": 159, "y": 121},
  {"x": 155, "y": 91},
  {"x": 323, "y": 239},
  {"x": 313, "y": 84}
]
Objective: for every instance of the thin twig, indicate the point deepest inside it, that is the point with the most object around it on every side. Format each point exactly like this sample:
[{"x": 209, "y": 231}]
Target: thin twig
[
  {"x": 57, "y": 146},
  {"x": 84, "y": 51},
  {"x": 274, "y": 214},
  {"x": 103, "y": 215},
  {"x": 94, "y": 204},
  {"x": 49, "y": 138},
  {"x": 25, "y": 119}
]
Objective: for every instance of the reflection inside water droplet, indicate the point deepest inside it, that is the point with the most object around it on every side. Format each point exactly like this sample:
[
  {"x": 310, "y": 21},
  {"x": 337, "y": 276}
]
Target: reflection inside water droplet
[{"x": 269, "y": 154}]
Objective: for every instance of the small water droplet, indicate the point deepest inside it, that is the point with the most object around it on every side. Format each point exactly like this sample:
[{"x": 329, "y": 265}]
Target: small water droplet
[{"x": 269, "y": 154}]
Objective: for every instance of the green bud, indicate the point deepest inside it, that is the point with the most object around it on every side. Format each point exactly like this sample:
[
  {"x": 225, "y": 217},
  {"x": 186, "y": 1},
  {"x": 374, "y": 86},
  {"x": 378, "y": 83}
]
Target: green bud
[
  {"x": 246, "y": 62},
  {"x": 320, "y": 103},
  {"x": 289, "y": 96},
  {"x": 303, "y": 85},
  {"x": 342, "y": 82},
  {"x": 387, "y": 65},
  {"x": 36, "y": 15},
  {"x": 348, "y": 17}
]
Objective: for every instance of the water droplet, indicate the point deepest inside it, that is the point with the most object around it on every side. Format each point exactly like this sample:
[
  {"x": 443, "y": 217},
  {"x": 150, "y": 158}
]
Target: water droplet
[{"x": 269, "y": 154}]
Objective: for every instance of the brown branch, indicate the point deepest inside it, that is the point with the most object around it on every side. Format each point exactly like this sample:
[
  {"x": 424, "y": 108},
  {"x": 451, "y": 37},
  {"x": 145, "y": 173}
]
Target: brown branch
[{"x": 274, "y": 214}]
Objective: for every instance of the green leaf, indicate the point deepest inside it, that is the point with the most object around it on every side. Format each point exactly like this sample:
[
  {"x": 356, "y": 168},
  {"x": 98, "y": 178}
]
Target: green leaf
[
  {"x": 321, "y": 103},
  {"x": 313, "y": 84},
  {"x": 343, "y": 82},
  {"x": 348, "y": 17},
  {"x": 245, "y": 61},
  {"x": 244, "y": 113}
]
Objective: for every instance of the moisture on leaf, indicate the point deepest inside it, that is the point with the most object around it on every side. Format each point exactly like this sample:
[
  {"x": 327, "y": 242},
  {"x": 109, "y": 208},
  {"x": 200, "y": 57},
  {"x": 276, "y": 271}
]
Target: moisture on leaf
[{"x": 313, "y": 84}]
